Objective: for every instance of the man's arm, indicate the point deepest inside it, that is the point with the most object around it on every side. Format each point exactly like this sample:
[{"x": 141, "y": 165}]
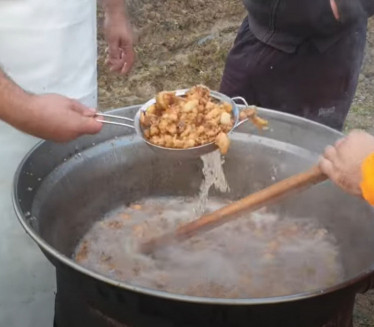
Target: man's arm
[
  {"x": 11, "y": 96},
  {"x": 119, "y": 36},
  {"x": 50, "y": 116},
  {"x": 114, "y": 7}
]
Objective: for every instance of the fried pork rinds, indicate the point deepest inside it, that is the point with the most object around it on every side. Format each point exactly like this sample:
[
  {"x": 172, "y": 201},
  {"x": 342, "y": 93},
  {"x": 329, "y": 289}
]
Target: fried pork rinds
[
  {"x": 223, "y": 142},
  {"x": 251, "y": 114},
  {"x": 191, "y": 120},
  {"x": 184, "y": 122},
  {"x": 164, "y": 100}
]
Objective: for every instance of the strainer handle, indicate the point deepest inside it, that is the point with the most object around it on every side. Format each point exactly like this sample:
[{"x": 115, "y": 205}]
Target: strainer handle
[
  {"x": 114, "y": 122},
  {"x": 244, "y": 101}
]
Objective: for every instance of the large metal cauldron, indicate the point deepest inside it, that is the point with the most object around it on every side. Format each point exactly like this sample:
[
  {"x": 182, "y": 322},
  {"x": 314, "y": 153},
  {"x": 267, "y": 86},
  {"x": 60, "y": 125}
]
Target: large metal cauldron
[{"x": 61, "y": 190}]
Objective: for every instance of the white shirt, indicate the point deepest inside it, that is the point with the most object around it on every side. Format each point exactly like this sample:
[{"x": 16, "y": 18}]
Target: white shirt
[
  {"x": 46, "y": 46},
  {"x": 50, "y": 46}
]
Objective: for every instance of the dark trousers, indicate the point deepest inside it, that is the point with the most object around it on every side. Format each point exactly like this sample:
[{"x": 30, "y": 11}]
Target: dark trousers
[{"x": 308, "y": 83}]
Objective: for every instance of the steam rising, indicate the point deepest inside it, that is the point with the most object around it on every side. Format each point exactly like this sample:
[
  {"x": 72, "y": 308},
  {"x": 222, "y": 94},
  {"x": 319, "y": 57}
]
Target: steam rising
[{"x": 213, "y": 176}]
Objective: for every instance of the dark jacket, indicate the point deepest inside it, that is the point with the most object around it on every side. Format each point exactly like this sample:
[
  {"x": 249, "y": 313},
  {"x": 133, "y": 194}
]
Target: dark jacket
[{"x": 285, "y": 24}]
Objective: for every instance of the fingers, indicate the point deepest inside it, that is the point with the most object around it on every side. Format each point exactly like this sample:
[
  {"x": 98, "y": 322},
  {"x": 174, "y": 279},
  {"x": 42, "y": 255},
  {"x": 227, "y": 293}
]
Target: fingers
[
  {"x": 129, "y": 59},
  {"x": 327, "y": 161},
  {"x": 89, "y": 112},
  {"x": 120, "y": 59},
  {"x": 333, "y": 153},
  {"x": 335, "y": 9},
  {"x": 330, "y": 153},
  {"x": 123, "y": 64},
  {"x": 88, "y": 123},
  {"x": 115, "y": 58},
  {"x": 339, "y": 143},
  {"x": 82, "y": 109},
  {"x": 91, "y": 126},
  {"x": 120, "y": 52},
  {"x": 113, "y": 49},
  {"x": 116, "y": 64},
  {"x": 327, "y": 167}
]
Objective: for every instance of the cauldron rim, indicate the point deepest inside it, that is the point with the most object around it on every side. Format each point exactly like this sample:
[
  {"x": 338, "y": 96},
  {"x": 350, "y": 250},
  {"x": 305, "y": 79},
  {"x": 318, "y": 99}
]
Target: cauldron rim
[{"x": 46, "y": 248}]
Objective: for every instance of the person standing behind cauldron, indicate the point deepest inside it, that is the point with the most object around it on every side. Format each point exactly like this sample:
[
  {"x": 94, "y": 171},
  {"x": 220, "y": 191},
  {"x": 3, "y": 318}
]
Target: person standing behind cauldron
[
  {"x": 51, "y": 48},
  {"x": 45, "y": 47},
  {"x": 302, "y": 57}
]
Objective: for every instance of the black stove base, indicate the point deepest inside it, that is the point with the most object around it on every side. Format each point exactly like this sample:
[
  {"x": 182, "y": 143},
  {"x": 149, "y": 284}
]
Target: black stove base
[
  {"x": 71, "y": 312},
  {"x": 83, "y": 301}
]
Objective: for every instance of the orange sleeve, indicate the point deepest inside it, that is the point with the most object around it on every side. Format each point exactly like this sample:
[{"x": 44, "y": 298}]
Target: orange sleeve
[{"x": 367, "y": 183}]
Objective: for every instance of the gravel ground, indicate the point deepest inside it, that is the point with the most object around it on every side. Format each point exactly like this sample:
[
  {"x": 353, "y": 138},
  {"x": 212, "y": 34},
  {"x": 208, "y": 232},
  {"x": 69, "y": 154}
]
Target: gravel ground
[
  {"x": 181, "y": 43},
  {"x": 184, "y": 47}
]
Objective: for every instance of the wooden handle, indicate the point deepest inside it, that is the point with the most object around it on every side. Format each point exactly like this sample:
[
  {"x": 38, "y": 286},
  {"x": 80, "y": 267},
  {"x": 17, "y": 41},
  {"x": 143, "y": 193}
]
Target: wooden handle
[{"x": 251, "y": 202}]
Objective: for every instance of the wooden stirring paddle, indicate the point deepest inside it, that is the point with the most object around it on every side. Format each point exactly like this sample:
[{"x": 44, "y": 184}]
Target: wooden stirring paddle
[{"x": 252, "y": 202}]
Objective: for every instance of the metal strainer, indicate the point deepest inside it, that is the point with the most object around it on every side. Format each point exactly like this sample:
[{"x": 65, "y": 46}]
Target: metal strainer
[{"x": 196, "y": 151}]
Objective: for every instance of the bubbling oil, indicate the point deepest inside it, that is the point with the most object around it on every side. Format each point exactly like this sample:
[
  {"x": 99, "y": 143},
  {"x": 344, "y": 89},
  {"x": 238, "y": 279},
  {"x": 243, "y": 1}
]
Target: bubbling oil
[{"x": 258, "y": 255}]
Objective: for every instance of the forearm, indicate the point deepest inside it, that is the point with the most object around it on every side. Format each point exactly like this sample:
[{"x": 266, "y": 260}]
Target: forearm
[
  {"x": 15, "y": 103},
  {"x": 114, "y": 7}
]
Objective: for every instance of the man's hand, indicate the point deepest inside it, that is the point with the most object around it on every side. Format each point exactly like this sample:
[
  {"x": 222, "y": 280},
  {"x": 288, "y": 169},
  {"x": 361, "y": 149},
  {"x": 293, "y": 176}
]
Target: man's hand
[
  {"x": 335, "y": 9},
  {"x": 342, "y": 162},
  {"x": 51, "y": 117},
  {"x": 119, "y": 36},
  {"x": 57, "y": 118}
]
